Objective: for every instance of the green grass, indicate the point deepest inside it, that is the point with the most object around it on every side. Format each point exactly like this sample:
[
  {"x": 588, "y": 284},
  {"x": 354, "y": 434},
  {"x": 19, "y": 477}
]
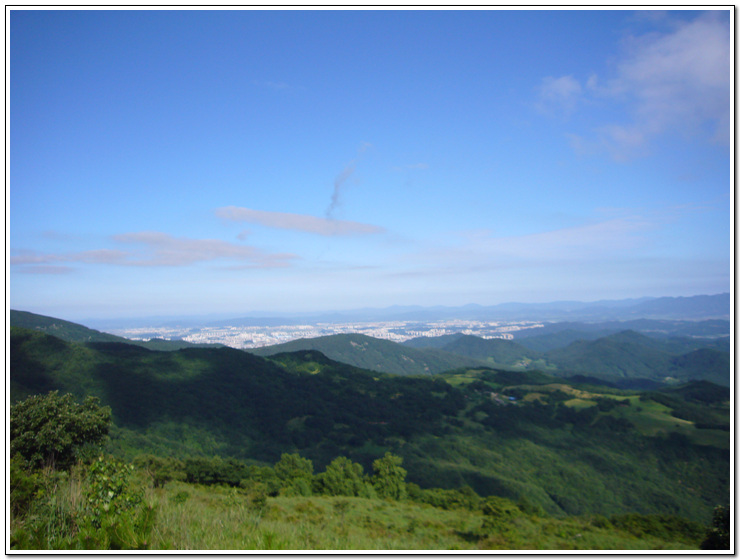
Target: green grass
[{"x": 223, "y": 519}]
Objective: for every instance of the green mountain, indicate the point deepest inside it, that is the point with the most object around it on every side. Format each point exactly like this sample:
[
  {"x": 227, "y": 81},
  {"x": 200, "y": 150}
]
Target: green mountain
[
  {"x": 492, "y": 351},
  {"x": 563, "y": 447},
  {"x": 630, "y": 354},
  {"x": 73, "y": 332},
  {"x": 65, "y": 330},
  {"x": 437, "y": 342},
  {"x": 560, "y": 339},
  {"x": 374, "y": 354}
]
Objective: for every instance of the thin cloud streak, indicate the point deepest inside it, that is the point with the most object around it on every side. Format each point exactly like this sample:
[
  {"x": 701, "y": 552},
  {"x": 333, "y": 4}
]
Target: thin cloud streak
[
  {"x": 181, "y": 251},
  {"x": 297, "y": 222},
  {"x": 99, "y": 256},
  {"x": 160, "y": 250},
  {"x": 576, "y": 246}
]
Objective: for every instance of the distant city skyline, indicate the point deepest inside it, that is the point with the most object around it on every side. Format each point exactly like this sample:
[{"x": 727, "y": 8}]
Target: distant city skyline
[{"x": 193, "y": 162}]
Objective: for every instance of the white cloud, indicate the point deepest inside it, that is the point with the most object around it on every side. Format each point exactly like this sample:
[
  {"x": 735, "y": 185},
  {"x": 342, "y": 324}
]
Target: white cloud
[
  {"x": 675, "y": 82},
  {"x": 297, "y": 222}
]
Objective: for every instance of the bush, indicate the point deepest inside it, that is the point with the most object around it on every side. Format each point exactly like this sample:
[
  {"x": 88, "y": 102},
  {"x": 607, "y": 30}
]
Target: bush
[{"x": 53, "y": 430}]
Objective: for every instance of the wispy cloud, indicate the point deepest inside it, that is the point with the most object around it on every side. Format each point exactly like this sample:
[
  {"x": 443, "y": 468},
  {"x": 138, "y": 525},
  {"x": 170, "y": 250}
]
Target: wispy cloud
[
  {"x": 341, "y": 180},
  {"x": 670, "y": 82},
  {"x": 166, "y": 250},
  {"x": 151, "y": 249},
  {"x": 411, "y": 167},
  {"x": 276, "y": 85},
  {"x": 99, "y": 256},
  {"x": 297, "y": 222},
  {"x": 559, "y": 96},
  {"x": 620, "y": 235}
]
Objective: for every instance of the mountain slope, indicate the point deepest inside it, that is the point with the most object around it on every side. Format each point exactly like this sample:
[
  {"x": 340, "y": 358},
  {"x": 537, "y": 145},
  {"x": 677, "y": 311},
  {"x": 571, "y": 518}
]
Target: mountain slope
[
  {"x": 630, "y": 354},
  {"x": 374, "y": 354},
  {"x": 73, "y": 332},
  {"x": 495, "y": 351},
  {"x": 208, "y": 401},
  {"x": 66, "y": 330}
]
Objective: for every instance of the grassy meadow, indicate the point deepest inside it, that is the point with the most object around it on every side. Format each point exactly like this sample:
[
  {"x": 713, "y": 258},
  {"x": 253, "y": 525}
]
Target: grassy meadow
[{"x": 194, "y": 517}]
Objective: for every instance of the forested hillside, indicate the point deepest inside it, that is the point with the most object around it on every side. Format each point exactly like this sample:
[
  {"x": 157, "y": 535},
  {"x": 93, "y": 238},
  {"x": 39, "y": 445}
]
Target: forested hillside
[
  {"x": 374, "y": 354},
  {"x": 564, "y": 447},
  {"x": 74, "y": 332}
]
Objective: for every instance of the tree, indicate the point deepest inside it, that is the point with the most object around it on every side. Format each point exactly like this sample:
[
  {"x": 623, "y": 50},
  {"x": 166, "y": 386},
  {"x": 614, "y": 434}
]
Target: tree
[
  {"x": 389, "y": 478},
  {"x": 53, "y": 430},
  {"x": 342, "y": 477},
  {"x": 295, "y": 473}
]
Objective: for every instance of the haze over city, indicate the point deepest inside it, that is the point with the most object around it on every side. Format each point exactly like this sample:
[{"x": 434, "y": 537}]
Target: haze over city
[{"x": 193, "y": 162}]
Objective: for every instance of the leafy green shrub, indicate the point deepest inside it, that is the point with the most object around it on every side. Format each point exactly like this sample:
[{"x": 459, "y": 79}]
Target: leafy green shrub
[
  {"x": 116, "y": 517},
  {"x": 53, "y": 430},
  {"x": 498, "y": 512}
]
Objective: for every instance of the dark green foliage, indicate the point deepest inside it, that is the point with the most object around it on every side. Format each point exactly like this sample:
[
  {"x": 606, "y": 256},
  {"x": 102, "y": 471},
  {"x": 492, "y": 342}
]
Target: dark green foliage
[
  {"x": 718, "y": 536},
  {"x": 215, "y": 470},
  {"x": 701, "y": 392},
  {"x": 54, "y": 430}
]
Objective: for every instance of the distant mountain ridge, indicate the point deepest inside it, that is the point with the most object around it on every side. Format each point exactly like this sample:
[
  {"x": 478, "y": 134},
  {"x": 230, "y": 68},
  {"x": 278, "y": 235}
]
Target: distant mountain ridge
[
  {"x": 73, "y": 332},
  {"x": 673, "y": 308},
  {"x": 374, "y": 354},
  {"x": 625, "y": 354}
]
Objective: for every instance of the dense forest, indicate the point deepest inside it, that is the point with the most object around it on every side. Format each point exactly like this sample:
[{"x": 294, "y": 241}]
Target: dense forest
[{"x": 573, "y": 451}]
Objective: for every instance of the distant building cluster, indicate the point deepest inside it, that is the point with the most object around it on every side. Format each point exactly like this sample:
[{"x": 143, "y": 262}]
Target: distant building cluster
[{"x": 258, "y": 336}]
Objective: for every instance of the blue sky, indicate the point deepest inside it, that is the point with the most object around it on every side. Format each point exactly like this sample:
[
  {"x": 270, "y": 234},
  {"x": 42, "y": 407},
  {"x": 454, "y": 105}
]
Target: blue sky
[{"x": 188, "y": 162}]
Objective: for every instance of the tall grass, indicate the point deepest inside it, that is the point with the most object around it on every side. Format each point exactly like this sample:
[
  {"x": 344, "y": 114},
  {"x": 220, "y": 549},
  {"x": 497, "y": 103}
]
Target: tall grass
[{"x": 192, "y": 517}]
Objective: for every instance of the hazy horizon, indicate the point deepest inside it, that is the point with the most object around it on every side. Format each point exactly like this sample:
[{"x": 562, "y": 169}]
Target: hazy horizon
[
  {"x": 108, "y": 319},
  {"x": 212, "y": 162}
]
